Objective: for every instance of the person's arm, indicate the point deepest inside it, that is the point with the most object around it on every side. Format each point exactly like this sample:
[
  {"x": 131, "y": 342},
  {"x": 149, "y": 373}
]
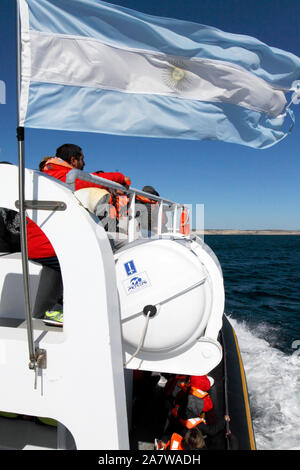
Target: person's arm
[
  {"x": 212, "y": 429},
  {"x": 117, "y": 177}
]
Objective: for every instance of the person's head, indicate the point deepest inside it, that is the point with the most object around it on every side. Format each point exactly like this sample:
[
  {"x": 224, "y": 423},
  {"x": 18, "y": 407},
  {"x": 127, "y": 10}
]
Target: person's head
[
  {"x": 43, "y": 163},
  {"x": 193, "y": 439},
  {"x": 150, "y": 190},
  {"x": 71, "y": 154},
  {"x": 204, "y": 382},
  {"x": 6, "y": 163}
]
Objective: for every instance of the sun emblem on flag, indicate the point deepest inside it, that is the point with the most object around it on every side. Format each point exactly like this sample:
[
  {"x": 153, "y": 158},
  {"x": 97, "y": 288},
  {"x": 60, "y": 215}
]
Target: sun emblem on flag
[{"x": 176, "y": 76}]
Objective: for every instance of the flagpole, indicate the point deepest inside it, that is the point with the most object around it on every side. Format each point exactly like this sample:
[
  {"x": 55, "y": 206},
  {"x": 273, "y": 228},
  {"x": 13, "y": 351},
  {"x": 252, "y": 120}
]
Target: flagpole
[{"x": 23, "y": 232}]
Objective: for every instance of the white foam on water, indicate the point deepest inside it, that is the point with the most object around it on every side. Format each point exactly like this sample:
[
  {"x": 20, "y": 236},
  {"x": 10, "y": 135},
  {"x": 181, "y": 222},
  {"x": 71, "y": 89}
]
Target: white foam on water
[{"x": 273, "y": 380}]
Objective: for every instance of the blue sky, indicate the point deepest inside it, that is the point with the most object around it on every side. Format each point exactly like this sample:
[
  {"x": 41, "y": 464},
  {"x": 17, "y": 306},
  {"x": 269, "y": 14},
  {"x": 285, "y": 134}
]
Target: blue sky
[{"x": 241, "y": 188}]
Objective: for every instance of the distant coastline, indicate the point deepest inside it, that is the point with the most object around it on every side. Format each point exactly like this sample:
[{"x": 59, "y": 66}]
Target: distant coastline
[{"x": 247, "y": 232}]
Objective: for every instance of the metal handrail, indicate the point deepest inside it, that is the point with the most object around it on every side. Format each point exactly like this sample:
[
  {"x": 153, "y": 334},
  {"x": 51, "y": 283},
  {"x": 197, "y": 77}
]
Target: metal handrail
[
  {"x": 132, "y": 193},
  {"x": 83, "y": 175}
]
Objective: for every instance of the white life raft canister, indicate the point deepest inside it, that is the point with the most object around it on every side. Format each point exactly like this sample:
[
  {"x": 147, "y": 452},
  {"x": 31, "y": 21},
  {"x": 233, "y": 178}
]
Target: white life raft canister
[{"x": 169, "y": 278}]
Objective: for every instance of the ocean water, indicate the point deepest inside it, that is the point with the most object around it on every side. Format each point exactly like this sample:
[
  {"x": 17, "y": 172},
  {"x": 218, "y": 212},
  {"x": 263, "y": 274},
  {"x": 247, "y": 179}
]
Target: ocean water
[{"x": 262, "y": 287}]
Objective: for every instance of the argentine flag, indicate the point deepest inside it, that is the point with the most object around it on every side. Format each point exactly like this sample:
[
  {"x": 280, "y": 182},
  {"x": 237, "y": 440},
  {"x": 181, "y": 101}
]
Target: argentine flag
[{"x": 92, "y": 66}]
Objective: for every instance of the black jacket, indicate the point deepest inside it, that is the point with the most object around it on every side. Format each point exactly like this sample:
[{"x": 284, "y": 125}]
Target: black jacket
[{"x": 9, "y": 231}]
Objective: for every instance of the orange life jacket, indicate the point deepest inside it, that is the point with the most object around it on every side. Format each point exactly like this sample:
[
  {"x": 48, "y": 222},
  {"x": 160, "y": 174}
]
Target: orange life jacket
[
  {"x": 56, "y": 161},
  {"x": 118, "y": 206},
  {"x": 174, "y": 443},
  {"x": 197, "y": 392},
  {"x": 184, "y": 226},
  {"x": 145, "y": 200}
]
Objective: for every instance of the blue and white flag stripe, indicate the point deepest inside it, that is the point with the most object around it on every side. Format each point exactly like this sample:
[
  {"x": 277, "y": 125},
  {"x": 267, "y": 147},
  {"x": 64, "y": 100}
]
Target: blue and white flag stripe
[
  {"x": 92, "y": 66},
  {"x": 91, "y": 63}
]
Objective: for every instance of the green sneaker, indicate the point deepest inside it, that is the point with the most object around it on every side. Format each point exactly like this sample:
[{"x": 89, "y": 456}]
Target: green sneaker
[{"x": 54, "y": 317}]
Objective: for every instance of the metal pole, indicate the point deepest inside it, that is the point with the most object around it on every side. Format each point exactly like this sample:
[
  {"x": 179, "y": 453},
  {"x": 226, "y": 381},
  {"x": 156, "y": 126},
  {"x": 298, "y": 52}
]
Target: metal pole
[
  {"x": 131, "y": 223},
  {"x": 20, "y": 136},
  {"x": 159, "y": 218},
  {"x": 175, "y": 220},
  {"x": 21, "y": 160}
]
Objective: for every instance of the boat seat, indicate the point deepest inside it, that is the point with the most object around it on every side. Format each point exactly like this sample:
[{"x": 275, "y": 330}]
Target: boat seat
[
  {"x": 45, "y": 287},
  {"x": 50, "y": 289}
]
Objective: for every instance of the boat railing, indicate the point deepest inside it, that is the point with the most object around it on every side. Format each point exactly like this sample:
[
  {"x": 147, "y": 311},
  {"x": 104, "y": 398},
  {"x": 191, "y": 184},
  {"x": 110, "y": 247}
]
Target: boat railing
[{"x": 179, "y": 212}]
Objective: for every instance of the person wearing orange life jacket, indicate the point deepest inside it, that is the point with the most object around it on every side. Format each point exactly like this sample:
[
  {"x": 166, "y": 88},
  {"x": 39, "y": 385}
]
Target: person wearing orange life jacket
[
  {"x": 149, "y": 217},
  {"x": 175, "y": 386},
  {"x": 146, "y": 210},
  {"x": 119, "y": 208},
  {"x": 192, "y": 440},
  {"x": 117, "y": 211},
  {"x": 118, "y": 205},
  {"x": 195, "y": 402},
  {"x": 183, "y": 416}
]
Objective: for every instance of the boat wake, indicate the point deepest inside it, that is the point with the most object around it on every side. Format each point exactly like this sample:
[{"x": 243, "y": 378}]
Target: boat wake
[{"x": 273, "y": 380}]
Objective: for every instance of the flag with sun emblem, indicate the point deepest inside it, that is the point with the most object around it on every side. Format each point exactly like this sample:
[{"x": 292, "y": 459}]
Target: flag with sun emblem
[{"x": 96, "y": 67}]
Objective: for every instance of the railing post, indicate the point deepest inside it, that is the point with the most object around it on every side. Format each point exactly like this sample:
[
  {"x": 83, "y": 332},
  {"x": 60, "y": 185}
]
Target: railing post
[
  {"x": 131, "y": 223},
  {"x": 159, "y": 221},
  {"x": 175, "y": 213}
]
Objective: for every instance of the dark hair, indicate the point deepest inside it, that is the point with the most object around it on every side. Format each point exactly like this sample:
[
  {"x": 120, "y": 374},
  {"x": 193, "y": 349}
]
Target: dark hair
[
  {"x": 151, "y": 190},
  {"x": 66, "y": 151},
  {"x": 7, "y": 163},
  {"x": 193, "y": 439},
  {"x": 43, "y": 163}
]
